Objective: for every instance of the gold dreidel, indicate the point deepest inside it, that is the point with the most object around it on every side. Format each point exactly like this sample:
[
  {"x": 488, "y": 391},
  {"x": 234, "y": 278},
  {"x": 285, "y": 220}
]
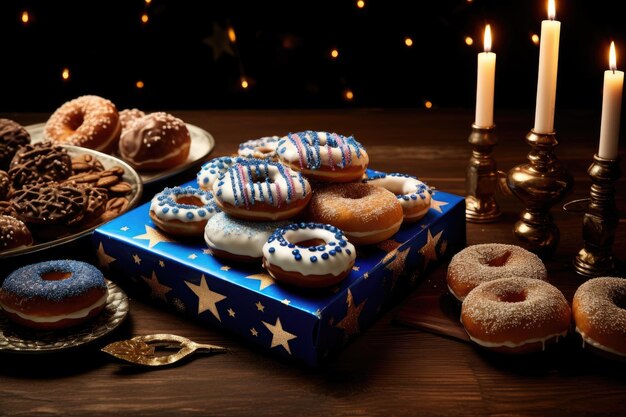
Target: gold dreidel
[
  {"x": 600, "y": 220},
  {"x": 539, "y": 184},
  {"x": 481, "y": 179}
]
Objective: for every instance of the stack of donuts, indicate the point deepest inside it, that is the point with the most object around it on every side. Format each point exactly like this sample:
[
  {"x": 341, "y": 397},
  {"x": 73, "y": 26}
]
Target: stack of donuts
[
  {"x": 508, "y": 305},
  {"x": 297, "y": 204}
]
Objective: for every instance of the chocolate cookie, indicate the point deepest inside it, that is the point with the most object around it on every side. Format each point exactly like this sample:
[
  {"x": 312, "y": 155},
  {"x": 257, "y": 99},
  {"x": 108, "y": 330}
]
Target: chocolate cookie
[
  {"x": 12, "y": 136},
  {"x": 5, "y": 185},
  {"x": 39, "y": 163},
  {"x": 50, "y": 204}
]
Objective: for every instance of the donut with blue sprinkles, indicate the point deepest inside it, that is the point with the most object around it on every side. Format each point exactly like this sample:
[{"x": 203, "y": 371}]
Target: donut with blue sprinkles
[
  {"x": 54, "y": 294},
  {"x": 414, "y": 195},
  {"x": 183, "y": 211},
  {"x": 309, "y": 255},
  {"x": 262, "y": 148},
  {"x": 210, "y": 171}
]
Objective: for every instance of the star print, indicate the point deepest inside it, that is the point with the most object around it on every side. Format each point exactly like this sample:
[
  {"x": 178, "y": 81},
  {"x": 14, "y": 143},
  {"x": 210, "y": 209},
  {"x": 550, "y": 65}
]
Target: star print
[
  {"x": 103, "y": 258},
  {"x": 137, "y": 259},
  {"x": 280, "y": 337},
  {"x": 260, "y": 307},
  {"x": 356, "y": 268},
  {"x": 157, "y": 289},
  {"x": 225, "y": 268},
  {"x": 443, "y": 247},
  {"x": 388, "y": 246},
  {"x": 436, "y": 205},
  {"x": 350, "y": 323},
  {"x": 397, "y": 265},
  {"x": 286, "y": 301},
  {"x": 207, "y": 299},
  {"x": 219, "y": 42},
  {"x": 153, "y": 236},
  {"x": 265, "y": 279},
  {"x": 231, "y": 312},
  {"x": 254, "y": 332},
  {"x": 192, "y": 256},
  {"x": 429, "y": 250},
  {"x": 179, "y": 304},
  {"x": 162, "y": 264},
  {"x": 124, "y": 229},
  {"x": 207, "y": 252}
]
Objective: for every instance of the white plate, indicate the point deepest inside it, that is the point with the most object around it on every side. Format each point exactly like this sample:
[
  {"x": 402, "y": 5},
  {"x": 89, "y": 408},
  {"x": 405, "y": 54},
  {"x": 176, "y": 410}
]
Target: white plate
[{"x": 202, "y": 143}]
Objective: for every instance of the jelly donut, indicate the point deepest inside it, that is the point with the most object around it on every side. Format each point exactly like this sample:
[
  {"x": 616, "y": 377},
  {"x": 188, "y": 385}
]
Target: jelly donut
[
  {"x": 39, "y": 163},
  {"x": 309, "y": 255},
  {"x": 262, "y": 148},
  {"x": 13, "y": 233},
  {"x": 489, "y": 261},
  {"x": 183, "y": 211},
  {"x": 323, "y": 156},
  {"x": 237, "y": 239},
  {"x": 53, "y": 294},
  {"x": 366, "y": 213},
  {"x": 261, "y": 191},
  {"x": 210, "y": 171},
  {"x": 12, "y": 137},
  {"x": 515, "y": 315},
  {"x": 414, "y": 196},
  {"x": 599, "y": 311},
  {"x": 89, "y": 121}
]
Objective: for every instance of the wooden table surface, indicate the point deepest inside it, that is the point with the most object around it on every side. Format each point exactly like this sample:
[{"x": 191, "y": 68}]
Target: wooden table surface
[{"x": 390, "y": 368}]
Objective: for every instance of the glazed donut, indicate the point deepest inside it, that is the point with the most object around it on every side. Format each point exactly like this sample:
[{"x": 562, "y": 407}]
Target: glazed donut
[
  {"x": 155, "y": 141},
  {"x": 309, "y": 255},
  {"x": 261, "y": 191},
  {"x": 210, "y": 171},
  {"x": 89, "y": 121},
  {"x": 599, "y": 310},
  {"x": 489, "y": 261},
  {"x": 324, "y": 156},
  {"x": 515, "y": 315},
  {"x": 183, "y": 211},
  {"x": 366, "y": 213},
  {"x": 236, "y": 239},
  {"x": 53, "y": 294},
  {"x": 263, "y": 148},
  {"x": 12, "y": 136},
  {"x": 13, "y": 233},
  {"x": 414, "y": 196}
]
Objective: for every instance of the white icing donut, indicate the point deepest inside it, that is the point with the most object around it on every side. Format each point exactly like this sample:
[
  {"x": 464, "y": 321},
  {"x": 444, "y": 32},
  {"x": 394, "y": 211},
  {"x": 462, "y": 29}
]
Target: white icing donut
[
  {"x": 183, "y": 210},
  {"x": 259, "y": 190},
  {"x": 236, "y": 239},
  {"x": 309, "y": 255},
  {"x": 210, "y": 171},
  {"x": 414, "y": 196},
  {"x": 261, "y": 148}
]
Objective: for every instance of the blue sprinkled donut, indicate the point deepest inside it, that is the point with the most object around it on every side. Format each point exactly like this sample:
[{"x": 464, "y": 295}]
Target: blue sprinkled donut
[
  {"x": 53, "y": 294},
  {"x": 262, "y": 148},
  {"x": 310, "y": 255},
  {"x": 210, "y": 171},
  {"x": 414, "y": 195},
  {"x": 183, "y": 211}
]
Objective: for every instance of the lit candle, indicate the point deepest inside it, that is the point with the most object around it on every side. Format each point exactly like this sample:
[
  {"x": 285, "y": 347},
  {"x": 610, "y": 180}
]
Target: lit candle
[
  {"x": 611, "y": 108},
  {"x": 485, "y": 83},
  {"x": 548, "y": 65}
]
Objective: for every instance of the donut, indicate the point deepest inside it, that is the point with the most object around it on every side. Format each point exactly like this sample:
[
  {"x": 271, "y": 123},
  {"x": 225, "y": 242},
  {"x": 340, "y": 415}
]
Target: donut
[
  {"x": 13, "y": 233},
  {"x": 12, "y": 137},
  {"x": 237, "y": 239},
  {"x": 599, "y": 311},
  {"x": 308, "y": 255},
  {"x": 89, "y": 121},
  {"x": 414, "y": 196},
  {"x": 53, "y": 294},
  {"x": 366, "y": 213},
  {"x": 515, "y": 315},
  {"x": 155, "y": 141},
  {"x": 261, "y": 191},
  {"x": 261, "y": 148},
  {"x": 211, "y": 170},
  {"x": 182, "y": 211},
  {"x": 323, "y": 156},
  {"x": 489, "y": 261},
  {"x": 128, "y": 116},
  {"x": 5, "y": 185},
  {"x": 38, "y": 163}
]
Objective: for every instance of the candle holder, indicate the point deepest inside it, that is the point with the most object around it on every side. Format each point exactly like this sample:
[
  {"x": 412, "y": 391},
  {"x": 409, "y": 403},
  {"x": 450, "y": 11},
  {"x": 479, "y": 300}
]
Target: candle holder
[
  {"x": 600, "y": 220},
  {"x": 539, "y": 184},
  {"x": 481, "y": 179}
]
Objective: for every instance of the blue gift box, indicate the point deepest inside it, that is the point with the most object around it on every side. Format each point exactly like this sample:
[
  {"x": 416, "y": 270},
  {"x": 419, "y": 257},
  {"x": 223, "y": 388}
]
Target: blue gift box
[{"x": 304, "y": 325}]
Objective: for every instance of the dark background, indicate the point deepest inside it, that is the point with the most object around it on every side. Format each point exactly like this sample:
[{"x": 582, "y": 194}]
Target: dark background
[{"x": 283, "y": 49}]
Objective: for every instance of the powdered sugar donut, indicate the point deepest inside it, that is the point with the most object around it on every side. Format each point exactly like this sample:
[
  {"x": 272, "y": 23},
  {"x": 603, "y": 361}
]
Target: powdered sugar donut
[
  {"x": 414, "y": 196},
  {"x": 261, "y": 148},
  {"x": 236, "y": 239},
  {"x": 324, "y": 156},
  {"x": 210, "y": 171},
  {"x": 489, "y": 261},
  {"x": 261, "y": 191},
  {"x": 309, "y": 255},
  {"x": 183, "y": 211}
]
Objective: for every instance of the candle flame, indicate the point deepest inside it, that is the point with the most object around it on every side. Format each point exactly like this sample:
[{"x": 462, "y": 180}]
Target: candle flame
[
  {"x": 25, "y": 17},
  {"x": 487, "y": 39},
  {"x": 612, "y": 57},
  {"x": 551, "y": 10}
]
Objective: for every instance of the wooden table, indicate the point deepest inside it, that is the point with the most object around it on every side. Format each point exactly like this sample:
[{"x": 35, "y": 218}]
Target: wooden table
[{"x": 391, "y": 368}]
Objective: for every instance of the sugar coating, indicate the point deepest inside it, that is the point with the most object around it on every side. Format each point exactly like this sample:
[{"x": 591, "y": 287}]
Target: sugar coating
[{"x": 602, "y": 300}]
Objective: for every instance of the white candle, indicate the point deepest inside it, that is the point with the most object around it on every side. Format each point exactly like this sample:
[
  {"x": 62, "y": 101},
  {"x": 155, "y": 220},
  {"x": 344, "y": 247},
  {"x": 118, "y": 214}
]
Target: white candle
[
  {"x": 611, "y": 108},
  {"x": 485, "y": 83},
  {"x": 548, "y": 66}
]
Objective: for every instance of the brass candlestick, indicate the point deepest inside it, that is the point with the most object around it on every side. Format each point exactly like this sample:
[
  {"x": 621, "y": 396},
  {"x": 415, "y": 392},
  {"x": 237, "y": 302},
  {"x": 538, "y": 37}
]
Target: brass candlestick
[
  {"x": 481, "y": 179},
  {"x": 600, "y": 220},
  {"x": 539, "y": 184}
]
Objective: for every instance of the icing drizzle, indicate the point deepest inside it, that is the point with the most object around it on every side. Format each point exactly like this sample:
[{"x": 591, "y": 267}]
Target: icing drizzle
[{"x": 312, "y": 150}]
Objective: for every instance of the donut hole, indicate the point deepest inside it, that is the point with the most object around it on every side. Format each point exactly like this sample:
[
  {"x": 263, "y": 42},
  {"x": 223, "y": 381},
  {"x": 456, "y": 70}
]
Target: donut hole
[
  {"x": 310, "y": 242},
  {"x": 76, "y": 121},
  {"x": 620, "y": 300},
  {"x": 355, "y": 193},
  {"x": 512, "y": 296},
  {"x": 55, "y": 275},
  {"x": 189, "y": 200},
  {"x": 496, "y": 260},
  {"x": 265, "y": 149}
]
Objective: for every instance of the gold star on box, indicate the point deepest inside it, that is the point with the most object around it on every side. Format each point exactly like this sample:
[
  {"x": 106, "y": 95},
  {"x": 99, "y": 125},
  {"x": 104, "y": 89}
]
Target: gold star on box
[
  {"x": 280, "y": 337},
  {"x": 207, "y": 299},
  {"x": 260, "y": 307},
  {"x": 219, "y": 42},
  {"x": 124, "y": 229},
  {"x": 162, "y": 264},
  {"x": 153, "y": 236},
  {"x": 137, "y": 259},
  {"x": 225, "y": 268},
  {"x": 265, "y": 279},
  {"x": 231, "y": 312},
  {"x": 254, "y": 332},
  {"x": 103, "y": 258},
  {"x": 350, "y": 323},
  {"x": 157, "y": 289},
  {"x": 429, "y": 250},
  {"x": 436, "y": 205},
  {"x": 397, "y": 265}
]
